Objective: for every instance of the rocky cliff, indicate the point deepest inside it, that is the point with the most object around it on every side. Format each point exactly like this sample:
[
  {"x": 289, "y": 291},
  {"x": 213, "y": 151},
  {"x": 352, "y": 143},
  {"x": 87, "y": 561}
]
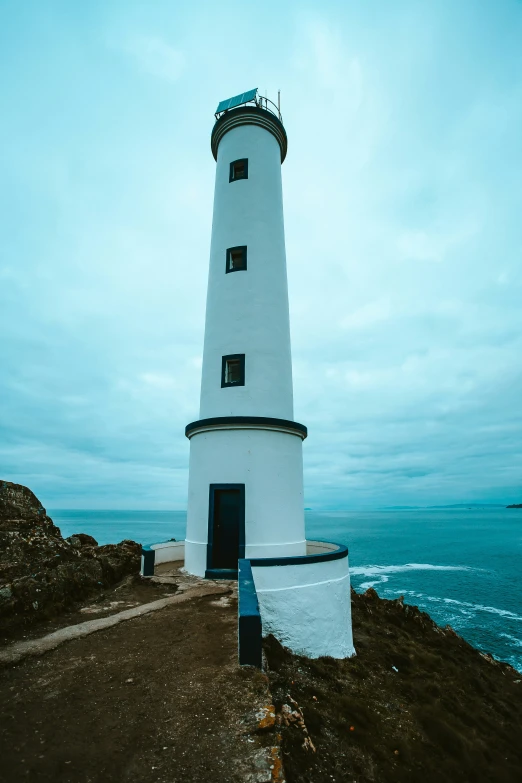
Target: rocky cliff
[
  {"x": 417, "y": 704},
  {"x": 41, "y": 573}
]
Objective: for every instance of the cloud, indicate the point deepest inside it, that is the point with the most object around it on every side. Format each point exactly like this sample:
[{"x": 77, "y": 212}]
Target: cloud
[
  {"x": 421, "y": 246},
  {"x": 367, "y": 315},
  {"x": 402, "y": 222},
  {"x": 153, "y": 55},
  {"x": 159, "y": 380}
]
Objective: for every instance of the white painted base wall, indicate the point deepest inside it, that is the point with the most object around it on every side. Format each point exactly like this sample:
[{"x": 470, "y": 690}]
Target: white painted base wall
[
  {"x": 270, "y": 465},
  {"x": 195, "y": 557},
  {"x": 196, "y": 553},
  {"x": 307, "y": 607}
]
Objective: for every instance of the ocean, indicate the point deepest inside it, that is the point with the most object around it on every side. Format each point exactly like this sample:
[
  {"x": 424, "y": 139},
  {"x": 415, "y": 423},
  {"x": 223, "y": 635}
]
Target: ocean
[{"x": 462, "y": 565}]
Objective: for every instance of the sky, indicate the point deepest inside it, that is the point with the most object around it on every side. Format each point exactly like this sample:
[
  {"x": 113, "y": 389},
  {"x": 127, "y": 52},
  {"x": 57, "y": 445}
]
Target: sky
[{"x": 403, "y": 219}]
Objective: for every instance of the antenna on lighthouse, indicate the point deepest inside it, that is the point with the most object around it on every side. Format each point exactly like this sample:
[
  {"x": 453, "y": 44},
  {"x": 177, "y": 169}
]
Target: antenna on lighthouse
[{"x": 279, "y": 103}]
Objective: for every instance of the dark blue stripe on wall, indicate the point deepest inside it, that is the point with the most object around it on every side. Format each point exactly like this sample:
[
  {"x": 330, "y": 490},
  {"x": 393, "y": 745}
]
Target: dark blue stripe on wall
[
  {"x": 250, "y": 630},
  {"x": 336, "y": 554}
]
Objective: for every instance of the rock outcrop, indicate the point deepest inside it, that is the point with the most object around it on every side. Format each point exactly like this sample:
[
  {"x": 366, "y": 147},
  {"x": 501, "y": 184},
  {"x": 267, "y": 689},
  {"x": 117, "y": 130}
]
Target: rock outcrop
[
  {"x": 41, "y": 573},
  {"x": 417, "y": 703}
]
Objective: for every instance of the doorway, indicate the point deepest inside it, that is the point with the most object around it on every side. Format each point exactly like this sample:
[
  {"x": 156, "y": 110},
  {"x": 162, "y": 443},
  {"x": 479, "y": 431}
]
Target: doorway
[{"x": 226, "y": 529}]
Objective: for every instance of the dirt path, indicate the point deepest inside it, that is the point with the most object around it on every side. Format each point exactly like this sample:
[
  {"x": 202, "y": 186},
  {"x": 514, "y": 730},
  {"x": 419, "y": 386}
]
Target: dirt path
[
  {"x": 158, "y": 698},
  {"x": 20, "y": 650}
]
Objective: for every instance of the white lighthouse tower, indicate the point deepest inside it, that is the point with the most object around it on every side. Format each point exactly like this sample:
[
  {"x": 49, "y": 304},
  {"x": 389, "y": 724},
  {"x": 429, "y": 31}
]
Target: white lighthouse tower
[{"x": 246, "y": 468}]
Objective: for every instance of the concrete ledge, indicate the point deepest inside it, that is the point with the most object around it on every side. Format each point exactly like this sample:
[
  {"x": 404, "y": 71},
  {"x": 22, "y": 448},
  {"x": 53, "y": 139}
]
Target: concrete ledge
[{"x": 321, "y": 547}]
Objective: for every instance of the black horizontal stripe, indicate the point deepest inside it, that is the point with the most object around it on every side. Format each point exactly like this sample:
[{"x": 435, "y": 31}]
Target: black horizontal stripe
[
  {"x": 258, "y": 421},
  {"x": 249, "y": 115},
  {"x": 335, "y": 554}
]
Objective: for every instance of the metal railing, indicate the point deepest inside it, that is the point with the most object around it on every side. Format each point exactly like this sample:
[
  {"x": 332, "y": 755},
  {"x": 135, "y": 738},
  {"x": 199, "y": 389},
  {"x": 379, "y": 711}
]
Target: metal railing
[{"x": 262, "y": 102}]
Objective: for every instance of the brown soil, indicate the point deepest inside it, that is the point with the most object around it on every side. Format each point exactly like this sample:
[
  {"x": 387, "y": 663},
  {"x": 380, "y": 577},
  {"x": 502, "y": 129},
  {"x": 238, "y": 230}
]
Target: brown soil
[
  {"x": 132, "y": 591},
  {"x": 158, "y": 698},
  {"x": 161, "y": 698},
  {"x": 444, "y": 713}
]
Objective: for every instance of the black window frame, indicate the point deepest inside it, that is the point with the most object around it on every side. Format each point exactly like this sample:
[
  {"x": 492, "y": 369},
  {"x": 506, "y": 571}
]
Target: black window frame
[
  {"x": 233, "y": 356},
  {"x": 243, "y": 249},
  {"x": 231, "y": 177}
]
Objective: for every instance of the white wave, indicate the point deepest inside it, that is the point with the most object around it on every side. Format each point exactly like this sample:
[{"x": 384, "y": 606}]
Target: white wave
[
  {"x": 382, "y": 572},
  {"x": 481, "y": 608},
  {"x": 468, "y": 609},
  {"x": 514, "y": 639}
]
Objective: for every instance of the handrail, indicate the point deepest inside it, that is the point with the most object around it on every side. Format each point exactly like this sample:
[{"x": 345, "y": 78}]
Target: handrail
[{"x": 262, "y": 103}]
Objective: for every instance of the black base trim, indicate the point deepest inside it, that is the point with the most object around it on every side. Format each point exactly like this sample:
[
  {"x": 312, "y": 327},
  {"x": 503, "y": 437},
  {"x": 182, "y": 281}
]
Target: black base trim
[
  {"x": 256, "y": 421},
  {"x": 221, "y": 573}
]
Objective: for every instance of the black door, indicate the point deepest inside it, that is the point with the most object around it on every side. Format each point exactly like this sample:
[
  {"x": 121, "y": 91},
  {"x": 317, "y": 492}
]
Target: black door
[{"x": 227, "y": 507}]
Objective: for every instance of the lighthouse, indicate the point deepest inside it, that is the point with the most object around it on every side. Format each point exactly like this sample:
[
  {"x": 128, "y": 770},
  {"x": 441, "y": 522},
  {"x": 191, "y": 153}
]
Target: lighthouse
[
  {"x": 246, "y": 467},
  {"x": 245, "y": 498}
]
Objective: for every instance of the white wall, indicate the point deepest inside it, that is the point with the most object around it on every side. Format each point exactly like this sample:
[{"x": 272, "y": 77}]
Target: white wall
[
  {"x": 247, "y": 311},
  {"x": 168, "y": 552},
  {"x": 307, "y": 607},
  {"x": 270, "y": 464}
]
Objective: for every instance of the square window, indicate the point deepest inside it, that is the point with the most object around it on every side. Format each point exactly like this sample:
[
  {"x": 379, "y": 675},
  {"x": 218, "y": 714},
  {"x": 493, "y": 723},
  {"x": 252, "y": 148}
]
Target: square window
[
  {"x": 236, "y": 259},
  {"x": 233, "y": 370},
  {"x": 238, "y": 170}
]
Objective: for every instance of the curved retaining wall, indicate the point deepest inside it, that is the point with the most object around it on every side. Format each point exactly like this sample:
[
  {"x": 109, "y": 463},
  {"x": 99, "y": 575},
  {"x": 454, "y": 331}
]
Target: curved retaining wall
[
  {"x": 164, "y": 552},
  {"x": 270, "y": 465},
  {"x": 303, "y": 601}
]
